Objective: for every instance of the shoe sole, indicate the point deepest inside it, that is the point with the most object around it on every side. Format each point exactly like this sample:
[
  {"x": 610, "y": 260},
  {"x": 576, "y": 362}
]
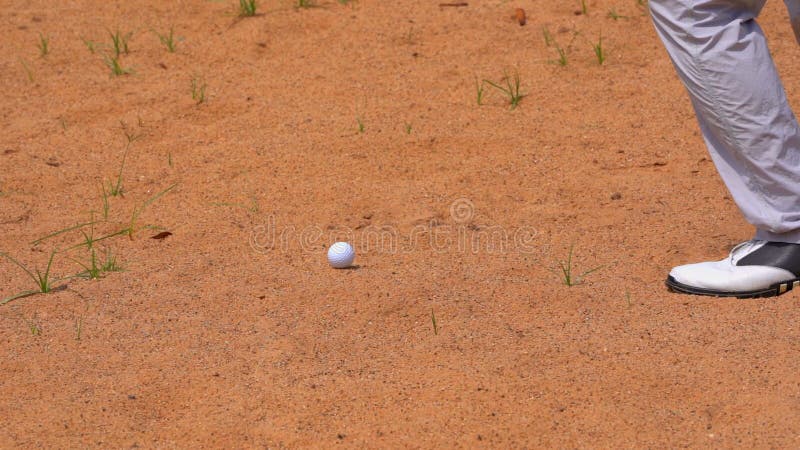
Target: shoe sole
[{"x": 772, "y": 291}]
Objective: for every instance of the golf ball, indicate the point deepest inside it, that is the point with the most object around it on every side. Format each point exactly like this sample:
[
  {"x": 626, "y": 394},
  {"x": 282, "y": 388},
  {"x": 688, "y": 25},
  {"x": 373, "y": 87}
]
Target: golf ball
[{"x": 341, "y": 255}]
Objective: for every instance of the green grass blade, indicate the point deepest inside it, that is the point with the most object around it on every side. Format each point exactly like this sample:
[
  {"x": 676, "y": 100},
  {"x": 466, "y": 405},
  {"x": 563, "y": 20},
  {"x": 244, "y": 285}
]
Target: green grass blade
[
  {"x": 49, "y": 265},
  {"x": 496, "y": 86},
  {"x": 157, "y": 196},
  {"x": 30, "y": 274},
  {"x": 17, "y": 296},
  {"x": 51, "y": 235},
  {"x": 108, "y": 236},
  {"x": 138, "y": 211}
]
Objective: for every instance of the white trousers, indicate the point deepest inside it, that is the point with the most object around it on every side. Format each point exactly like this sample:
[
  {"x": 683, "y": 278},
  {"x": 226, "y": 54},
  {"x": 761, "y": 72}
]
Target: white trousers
[{"x": 722, "y": 58}]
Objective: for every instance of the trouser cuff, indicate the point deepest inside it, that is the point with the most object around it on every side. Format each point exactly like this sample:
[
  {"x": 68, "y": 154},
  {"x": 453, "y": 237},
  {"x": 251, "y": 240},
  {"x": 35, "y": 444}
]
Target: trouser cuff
[{"x": 792, "y": 237}]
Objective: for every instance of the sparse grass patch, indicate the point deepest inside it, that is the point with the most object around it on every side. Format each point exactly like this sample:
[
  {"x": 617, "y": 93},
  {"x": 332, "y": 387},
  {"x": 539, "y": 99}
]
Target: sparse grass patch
[
  {"x": 96, "y": 268},
  {"x": 90, "y": 45},
  {"x": 113, "y": 64},
  {"x": 584, "y": 7},
  {"x": 43, "y": 45},
  {"x": 110, "y": 264},
  {"x": 434, "y": 323},
  {"x": 511, "y": 88},
  {"x": 28, "y": 70},
  {"x": 479, "y": 90},
  {"x": 598, "y": 50},
  {"x": 198, "y": 90},
  {"x": 561, "y": 51},
  {"x": 567, "y": 276},
  {"x": 92, "y": 270},
  {"x": 33, "y": 325},
  {"x": 168, "y": 39},
  {"x": 42, "y": 279},
  {"x": 408, "y": 128},
  {"x": 119, "y": 42},
  {"x": 306, "y": 3},
  {"x": 548, "y": 37},
  {"x": 562, "y": 56},
  {"x": 360, "y": 125},
  {"x": 247, "y": 8}
]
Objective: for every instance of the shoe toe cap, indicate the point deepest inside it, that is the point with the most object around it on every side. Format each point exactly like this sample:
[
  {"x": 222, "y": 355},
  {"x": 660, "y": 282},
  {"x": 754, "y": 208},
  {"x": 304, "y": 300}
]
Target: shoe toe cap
[{"x": 721, "y": 277}]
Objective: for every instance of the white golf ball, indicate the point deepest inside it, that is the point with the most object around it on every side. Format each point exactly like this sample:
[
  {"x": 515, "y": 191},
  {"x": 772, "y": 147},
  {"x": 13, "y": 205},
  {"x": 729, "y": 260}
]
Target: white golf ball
[{"x": 341, "y": 255}]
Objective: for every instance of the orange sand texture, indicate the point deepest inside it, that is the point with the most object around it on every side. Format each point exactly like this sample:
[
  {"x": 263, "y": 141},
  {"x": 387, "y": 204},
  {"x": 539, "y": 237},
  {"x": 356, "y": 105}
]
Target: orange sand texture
[{"x": 360, "y": 122}]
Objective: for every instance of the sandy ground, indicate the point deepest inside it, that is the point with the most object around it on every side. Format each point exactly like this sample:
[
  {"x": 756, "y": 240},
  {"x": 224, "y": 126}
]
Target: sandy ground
[{"x": 360, "y": 122}]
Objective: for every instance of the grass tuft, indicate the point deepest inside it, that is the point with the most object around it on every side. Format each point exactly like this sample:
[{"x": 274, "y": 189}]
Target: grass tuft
[
  {"x": 598, "y": 51},
  {"x": 511, "y": 89},
  {"x": 198, "y": 90},
  {"x": 168, "y": 39},
  {"x": 562, "y": 56},
  {"x": 119, "y": 42},
  {"x": 90, "y": 45},
  {"x": 567, "y": 277},
  {"x": 43, "y": 45},
  {"x": 561, "y": 51},
  {"x": 247, "y": 8},
  {"x": 96, "y": 268},
  {"x": 110, "y": 264},
  {"x": 92, "y": 271},
  {"x": 113, "y": 64},
  {"x": 42, "y": 279}
]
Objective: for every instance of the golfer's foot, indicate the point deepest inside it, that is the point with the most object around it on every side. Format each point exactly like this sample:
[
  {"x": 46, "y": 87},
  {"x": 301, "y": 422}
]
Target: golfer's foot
[{"x": 753, "y": 269}]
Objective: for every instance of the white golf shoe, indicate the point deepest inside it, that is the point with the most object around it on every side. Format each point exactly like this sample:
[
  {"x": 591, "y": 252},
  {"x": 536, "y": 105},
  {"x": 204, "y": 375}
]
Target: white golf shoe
[{"x": 753, "y": 269}]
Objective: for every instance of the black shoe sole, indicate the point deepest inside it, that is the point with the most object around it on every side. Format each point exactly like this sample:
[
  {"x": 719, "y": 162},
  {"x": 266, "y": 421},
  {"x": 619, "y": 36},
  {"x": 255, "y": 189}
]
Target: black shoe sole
[{"x": 772, "y": 291}]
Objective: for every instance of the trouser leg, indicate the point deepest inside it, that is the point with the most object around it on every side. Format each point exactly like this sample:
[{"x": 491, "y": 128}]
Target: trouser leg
[
  {"x": 794, "y": 16},
  {"x": 721, "y": 56}
]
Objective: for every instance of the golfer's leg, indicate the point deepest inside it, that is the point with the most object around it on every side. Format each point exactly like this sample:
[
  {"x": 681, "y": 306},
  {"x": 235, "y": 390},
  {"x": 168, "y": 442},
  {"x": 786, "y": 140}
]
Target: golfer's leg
[{"x": 721, "y": 55}]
